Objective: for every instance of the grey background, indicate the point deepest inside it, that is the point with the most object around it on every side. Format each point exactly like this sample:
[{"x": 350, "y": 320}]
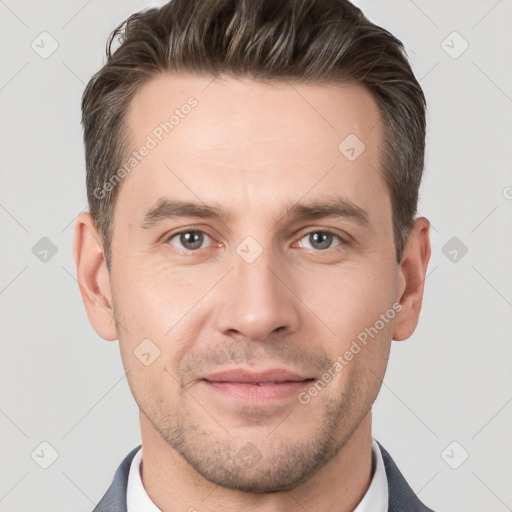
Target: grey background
[{"x": 451, "y": 382}]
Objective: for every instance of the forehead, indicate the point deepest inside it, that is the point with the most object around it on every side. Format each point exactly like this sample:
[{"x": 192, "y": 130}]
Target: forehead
[{"x": 252, "y": 143}]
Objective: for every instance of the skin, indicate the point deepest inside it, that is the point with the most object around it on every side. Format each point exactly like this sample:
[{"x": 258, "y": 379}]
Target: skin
[{"x": 255, "y": 149}]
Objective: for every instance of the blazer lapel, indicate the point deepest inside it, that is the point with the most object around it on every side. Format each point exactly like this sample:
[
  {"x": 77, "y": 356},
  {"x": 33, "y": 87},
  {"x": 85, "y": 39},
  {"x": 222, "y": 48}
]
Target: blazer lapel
[
  {"x": 401, "y": 497},
  {"x": 115, "y": 497}
]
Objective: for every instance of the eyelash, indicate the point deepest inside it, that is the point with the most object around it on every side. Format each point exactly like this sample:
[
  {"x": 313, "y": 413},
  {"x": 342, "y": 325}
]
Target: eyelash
[{"x": 188, "y": 252}]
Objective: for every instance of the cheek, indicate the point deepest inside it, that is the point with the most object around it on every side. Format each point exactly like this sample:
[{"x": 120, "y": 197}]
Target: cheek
[
  {"x": 155, "y": 307},
  {"x": 349, "y": 300},
  {"x": 352, "y": 307},
  {"x": 153, "y": 299}
]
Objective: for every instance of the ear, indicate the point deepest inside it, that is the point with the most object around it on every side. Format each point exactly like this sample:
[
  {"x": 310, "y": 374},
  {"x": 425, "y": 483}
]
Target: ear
[
  {"x": 93, "y": 277},
  {"x": 411, "y": 276}
]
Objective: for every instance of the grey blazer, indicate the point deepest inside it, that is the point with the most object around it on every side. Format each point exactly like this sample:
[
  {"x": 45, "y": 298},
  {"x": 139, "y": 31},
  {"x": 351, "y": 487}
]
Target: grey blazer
[{"x": 401, "y": 496}]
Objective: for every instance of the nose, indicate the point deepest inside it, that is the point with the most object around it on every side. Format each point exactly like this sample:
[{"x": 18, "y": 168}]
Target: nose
[{"x": 258, "y": 299}]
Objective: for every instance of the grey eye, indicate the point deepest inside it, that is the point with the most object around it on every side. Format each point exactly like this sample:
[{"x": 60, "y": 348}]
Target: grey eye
[
  {"x": 320, "y": 240},
  {"x": 189, "y": 240}
]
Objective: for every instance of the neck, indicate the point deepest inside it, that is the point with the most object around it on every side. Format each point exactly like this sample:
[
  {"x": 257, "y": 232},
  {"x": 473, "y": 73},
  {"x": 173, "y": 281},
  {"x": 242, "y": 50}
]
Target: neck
[{"x": 173, "y": 484}]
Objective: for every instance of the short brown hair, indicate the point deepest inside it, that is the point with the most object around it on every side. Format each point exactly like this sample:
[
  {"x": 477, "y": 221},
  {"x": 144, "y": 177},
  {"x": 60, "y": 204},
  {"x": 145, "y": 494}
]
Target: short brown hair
[{"x": 300, "y": 40}]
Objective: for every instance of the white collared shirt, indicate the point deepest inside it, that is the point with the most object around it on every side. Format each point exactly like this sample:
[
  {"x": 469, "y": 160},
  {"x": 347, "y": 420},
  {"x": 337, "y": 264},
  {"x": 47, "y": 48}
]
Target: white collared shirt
[{"x": 375, "y": 499}]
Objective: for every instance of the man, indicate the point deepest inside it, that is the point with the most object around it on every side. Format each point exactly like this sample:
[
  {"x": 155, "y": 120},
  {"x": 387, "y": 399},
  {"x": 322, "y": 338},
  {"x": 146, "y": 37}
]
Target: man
[{"x": 252, "y": 174}]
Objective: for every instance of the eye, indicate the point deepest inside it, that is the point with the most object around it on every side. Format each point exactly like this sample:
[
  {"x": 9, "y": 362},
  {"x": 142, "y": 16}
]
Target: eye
[
  {"x": 189, "y": 240},
  {"x": 320, "y": 240}
]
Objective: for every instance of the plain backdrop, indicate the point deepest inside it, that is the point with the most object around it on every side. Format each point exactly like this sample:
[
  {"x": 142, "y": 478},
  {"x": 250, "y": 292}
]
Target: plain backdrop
[{"x": 445, "y": 408}]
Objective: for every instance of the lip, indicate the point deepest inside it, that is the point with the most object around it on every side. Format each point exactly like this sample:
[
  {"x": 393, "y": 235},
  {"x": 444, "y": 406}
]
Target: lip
[
  {"x": 256, "y": 388},
  {"x": 240, "y": 375}
]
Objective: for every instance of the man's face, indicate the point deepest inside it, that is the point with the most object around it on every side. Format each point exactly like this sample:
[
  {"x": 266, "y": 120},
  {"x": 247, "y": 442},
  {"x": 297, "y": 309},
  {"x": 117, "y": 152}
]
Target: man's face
[{"x": 260, "y": 288}]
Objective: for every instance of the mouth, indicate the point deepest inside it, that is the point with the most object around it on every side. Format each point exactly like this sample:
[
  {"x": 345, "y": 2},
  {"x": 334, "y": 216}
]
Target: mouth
[
  {"x": 257, "y": 388},
  {"x": 270, "y": 376},
  {"x": 272, "y": 383}
]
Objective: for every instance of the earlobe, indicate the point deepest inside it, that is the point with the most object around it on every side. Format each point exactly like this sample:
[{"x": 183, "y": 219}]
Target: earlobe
[
  {"x": 93, "y": 277},
  {"x": 411, "y": 277}
]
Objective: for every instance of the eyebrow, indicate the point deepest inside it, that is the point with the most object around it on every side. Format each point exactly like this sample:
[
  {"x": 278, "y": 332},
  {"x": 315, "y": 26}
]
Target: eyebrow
[
  {"x": 166, "y": 209},
  {"x": 336, "y": 207}
]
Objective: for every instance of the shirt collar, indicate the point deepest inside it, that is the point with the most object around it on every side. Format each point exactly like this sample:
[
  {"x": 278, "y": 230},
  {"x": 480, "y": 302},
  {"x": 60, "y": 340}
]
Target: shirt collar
[{"x": 137, "y": 499}]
